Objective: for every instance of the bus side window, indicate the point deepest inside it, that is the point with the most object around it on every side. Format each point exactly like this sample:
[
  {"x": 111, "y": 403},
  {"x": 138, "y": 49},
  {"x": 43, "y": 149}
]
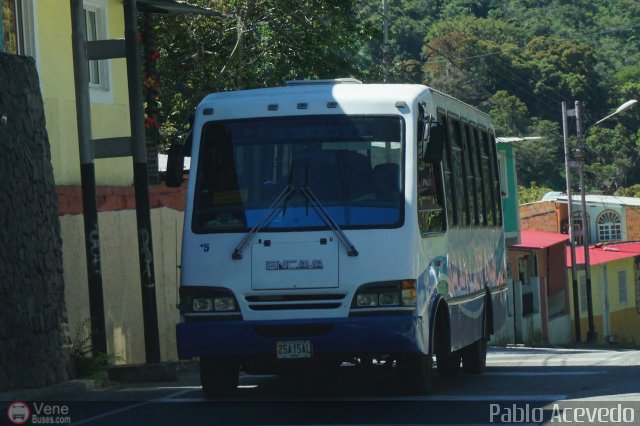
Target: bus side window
[
  {"x": 431, "y": 216},
  {"x": 496, "y": 181},
  {"x": 482, "y": 201},
  {"x": 458, "y": 173},
  {"x": 449, "y": 187},
  {"x": 487, "y": 178},
  {"x": 472, "y": 191}
]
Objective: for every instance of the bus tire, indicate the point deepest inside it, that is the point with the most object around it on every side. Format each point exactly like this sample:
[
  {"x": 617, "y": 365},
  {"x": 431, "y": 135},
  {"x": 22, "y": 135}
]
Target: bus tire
[
  {"x": 414, "y": 372},
  {"x": 218, "y": 376},
  {"x": 474, "y": 356}
]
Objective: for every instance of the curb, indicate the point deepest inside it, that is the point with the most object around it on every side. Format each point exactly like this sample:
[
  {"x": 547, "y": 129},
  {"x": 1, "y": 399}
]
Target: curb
[
  {"x": 129, "y": 373},
  {"x": 143, "y": 373},
  {"x": 49, "y": 392}
]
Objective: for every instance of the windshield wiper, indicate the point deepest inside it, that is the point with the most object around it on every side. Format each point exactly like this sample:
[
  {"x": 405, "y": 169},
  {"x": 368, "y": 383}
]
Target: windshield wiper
[
  {"x": 278, "y": 204},
  {"x": 326, "y": 218}
]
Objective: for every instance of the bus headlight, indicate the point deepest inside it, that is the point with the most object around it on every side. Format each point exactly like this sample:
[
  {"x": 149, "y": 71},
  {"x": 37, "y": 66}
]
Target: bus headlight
[
  {"x": 202, "y": 304},
  {"x": 202, "y": 299},
  {"x": 389, "y": 299},
  {"x": 367, "y": 300},
  {"x": 401, "y": 293},
  {"x": 224, "y": 304}
]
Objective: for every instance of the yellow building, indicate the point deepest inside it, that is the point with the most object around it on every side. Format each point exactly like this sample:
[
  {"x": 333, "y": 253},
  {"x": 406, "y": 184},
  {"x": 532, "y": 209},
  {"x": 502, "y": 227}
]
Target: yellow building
[
  {"x": 42, "y": 29},
  {"x": 615, "y": 283}
]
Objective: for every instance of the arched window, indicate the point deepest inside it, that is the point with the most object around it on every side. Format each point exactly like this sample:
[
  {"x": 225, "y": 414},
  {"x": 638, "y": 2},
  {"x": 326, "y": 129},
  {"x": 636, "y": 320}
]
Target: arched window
[{"x": 609, "y": 226}]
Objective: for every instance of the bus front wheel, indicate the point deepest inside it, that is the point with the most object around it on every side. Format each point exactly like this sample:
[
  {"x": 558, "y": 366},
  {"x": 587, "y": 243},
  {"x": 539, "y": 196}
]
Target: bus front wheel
[{"x": 218, "y": 376}]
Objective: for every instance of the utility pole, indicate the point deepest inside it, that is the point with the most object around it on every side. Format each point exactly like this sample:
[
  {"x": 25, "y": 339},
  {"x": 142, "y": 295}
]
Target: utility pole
[
  {"x": 88, "y": 180},
  {"x": 591, "y": 333},
  {"x": 91, "y": 149},
  {"x": 385, "y": 41},
  {"x": 592, "y": 336},
  {"x": 141, "y": 185},
  {"x": 567, "y": 168}
]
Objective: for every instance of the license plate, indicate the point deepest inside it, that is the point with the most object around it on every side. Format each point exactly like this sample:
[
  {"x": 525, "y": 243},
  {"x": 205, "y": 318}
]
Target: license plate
[{"x": 293, "y": 349}]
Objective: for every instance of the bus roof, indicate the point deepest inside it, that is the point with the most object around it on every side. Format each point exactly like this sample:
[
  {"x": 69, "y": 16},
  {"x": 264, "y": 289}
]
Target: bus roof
[{"x": 338, "y": 94}]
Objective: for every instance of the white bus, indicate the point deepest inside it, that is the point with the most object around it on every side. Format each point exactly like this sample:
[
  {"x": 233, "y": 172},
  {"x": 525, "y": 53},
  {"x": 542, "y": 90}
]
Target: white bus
[{"x": 333, "y": 221}]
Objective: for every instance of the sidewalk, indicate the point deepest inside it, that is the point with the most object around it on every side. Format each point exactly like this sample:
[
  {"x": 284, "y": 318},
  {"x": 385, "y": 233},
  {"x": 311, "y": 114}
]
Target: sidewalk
[
  {"x": 50, "y": 392},
  {"x": 120, "y": 374}
]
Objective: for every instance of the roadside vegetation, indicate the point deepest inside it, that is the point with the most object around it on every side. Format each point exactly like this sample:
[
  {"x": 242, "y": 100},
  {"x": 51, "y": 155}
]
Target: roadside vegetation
[{"x": 515, "y": 59}]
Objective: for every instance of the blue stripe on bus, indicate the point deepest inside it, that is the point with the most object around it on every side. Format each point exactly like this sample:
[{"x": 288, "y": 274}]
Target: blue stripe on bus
[{"x": 384, "y": 334}]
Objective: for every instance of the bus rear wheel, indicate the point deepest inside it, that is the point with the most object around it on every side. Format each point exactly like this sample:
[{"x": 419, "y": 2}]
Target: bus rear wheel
[
  {"x": 414, "y": 372},
  {"x": 218, "y": 376},
  {"x": 474, "y": 356}
]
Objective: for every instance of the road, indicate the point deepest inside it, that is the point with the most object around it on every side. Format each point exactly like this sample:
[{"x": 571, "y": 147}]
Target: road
[{"x": 518, "y": 383}]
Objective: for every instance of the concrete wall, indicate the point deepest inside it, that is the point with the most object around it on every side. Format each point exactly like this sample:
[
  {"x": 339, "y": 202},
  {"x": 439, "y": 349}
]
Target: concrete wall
[
  {"x": 625, "y": 326},
  {"x": 613, "y": 319},
  {"x": 560, "y": 332},
  {"x": 32, "y": 306},
  {"x": 120, "y": 266}
]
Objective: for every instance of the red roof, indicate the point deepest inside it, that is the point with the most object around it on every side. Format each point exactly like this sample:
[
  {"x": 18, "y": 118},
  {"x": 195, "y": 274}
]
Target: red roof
[
  {"x": 605, "y": 253},
  {"x": 539, "y": 239}
]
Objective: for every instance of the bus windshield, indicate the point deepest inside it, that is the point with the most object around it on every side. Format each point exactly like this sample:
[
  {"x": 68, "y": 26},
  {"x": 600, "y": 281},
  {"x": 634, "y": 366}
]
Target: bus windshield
[{"x": 353, "y": 166}]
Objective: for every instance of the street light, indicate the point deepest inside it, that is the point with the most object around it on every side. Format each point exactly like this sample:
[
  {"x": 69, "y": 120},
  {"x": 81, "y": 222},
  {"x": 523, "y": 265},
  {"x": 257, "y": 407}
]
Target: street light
[
  {"x": 591, "y": 333},
  {"x": 625, "y": 106}
]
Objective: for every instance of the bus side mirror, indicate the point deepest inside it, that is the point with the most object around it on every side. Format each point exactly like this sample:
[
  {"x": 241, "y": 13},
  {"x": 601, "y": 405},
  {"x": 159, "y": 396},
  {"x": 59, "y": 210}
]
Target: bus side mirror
[
  {"x": 434, "y": 138},
  {"x": 177, "y": 151},
  {"x": 175, "y": 165}
]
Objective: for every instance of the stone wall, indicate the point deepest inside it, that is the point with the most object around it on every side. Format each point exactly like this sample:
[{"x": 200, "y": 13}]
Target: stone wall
[{"x": 32, "y": 306}]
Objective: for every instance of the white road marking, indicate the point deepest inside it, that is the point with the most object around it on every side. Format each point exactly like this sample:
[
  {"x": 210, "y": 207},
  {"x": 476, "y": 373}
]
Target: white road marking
[
  {"x": 426, "y": 398},
  {"x": 544, "y": 373},
  {"x": 129, "y": 407}
]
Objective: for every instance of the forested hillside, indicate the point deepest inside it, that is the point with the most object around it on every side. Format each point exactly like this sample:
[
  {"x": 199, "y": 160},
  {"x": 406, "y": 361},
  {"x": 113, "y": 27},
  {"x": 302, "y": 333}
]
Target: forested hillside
[{"x": 515, "y": 59}]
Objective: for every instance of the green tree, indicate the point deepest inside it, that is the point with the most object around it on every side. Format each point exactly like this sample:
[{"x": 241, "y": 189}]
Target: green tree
[
  {"x": 610, "y": 158},
  {"x": 560, "y": 70},
  {"x": 517, "y": 59},
  {"x": 469, "y": 57},
  {"x": 541, "y": 160},
  {"x": 408, "y": 22},
  {"x": 254, "y": 43},
  {"x": 510, "y": 114},
  {"x": 632, "y": 191},
  {"x": 532, "y": 193}
]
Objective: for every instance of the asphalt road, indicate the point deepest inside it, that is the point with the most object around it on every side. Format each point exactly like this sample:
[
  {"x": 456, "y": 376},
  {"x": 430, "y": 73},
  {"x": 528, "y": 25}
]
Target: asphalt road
[{"x": 521, "y": 385}]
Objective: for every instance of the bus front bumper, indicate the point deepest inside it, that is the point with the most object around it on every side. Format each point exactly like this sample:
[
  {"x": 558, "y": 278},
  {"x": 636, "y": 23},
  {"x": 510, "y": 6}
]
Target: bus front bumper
[{"x": 359, "y": 335}]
